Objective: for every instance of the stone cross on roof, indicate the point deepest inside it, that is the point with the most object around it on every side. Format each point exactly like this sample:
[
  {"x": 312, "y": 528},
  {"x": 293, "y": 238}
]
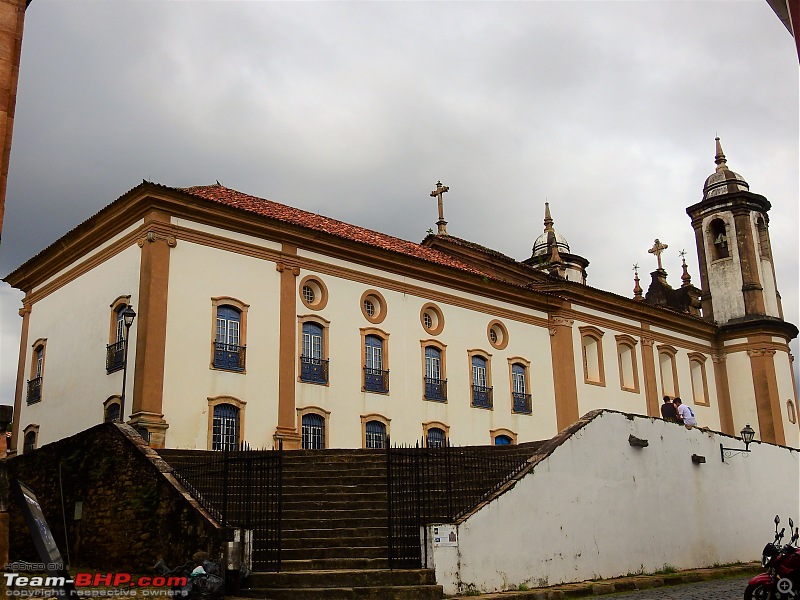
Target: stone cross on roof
[
  {"x": 437, "y": 193},
  {"x": 657, "y": 249}
]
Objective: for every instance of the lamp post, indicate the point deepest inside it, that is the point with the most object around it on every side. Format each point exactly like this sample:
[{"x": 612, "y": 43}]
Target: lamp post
[
  {"x": 128, "y": 315},
  {"x": 748, "y": 433}
]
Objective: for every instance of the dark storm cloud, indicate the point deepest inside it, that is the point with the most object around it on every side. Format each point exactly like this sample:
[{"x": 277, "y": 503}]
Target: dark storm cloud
[{"x": 354, "y": 110}]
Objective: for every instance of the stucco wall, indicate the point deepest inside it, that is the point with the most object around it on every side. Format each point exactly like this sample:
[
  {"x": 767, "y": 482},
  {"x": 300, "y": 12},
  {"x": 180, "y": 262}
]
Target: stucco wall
[
  {"x": 75, "y": 320},
  {"x": 598, "y": 507}
]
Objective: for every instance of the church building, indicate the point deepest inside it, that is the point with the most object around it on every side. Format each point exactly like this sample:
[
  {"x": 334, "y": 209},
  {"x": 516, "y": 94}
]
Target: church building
[{"x": 205, "y": 317}]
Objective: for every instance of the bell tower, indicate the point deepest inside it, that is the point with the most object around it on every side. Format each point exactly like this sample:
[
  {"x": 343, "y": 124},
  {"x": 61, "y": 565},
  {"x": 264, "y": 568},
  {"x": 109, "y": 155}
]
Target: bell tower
[{"x": 733, "y": 249}]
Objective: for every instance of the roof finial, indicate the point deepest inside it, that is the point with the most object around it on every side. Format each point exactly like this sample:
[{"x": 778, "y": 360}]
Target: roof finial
[
  {"x": 548, "y": 220},
  {"x": 637, "y": 289},
  {"x": 657, "y": 249},
  {"x": 719, "y": 159},
  {"x": 437, "y": 193},
  {"x": 686, "y": 278}
]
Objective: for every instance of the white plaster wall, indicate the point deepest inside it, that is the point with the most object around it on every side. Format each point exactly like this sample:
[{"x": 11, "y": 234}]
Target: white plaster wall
[
  {"x": 611, "y": 395},
  {"x": 76, "y": 319},
  {"x": 765, "y": 273},
  {"x": 783, "y": 371},
  {"x": 743, "y": 395},
  {"x": 707, "y": 416},
  {"x": 226, "y": 233},
  {"x": 584, "y": 514},
  {"x": 198, "y": 273},
  {"x": 724, "y": 275},
  {"x": 404, "y": 405}
]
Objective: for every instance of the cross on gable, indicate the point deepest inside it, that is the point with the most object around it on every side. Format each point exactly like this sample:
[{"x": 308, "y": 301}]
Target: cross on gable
[
  {"x": 657, "y": 249},
  {"x": 437, "y": 193}
]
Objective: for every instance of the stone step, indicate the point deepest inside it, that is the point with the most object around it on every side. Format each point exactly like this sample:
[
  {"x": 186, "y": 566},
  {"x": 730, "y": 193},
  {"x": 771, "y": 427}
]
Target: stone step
[
  {"x": 299, "y": 511},
  {"x": 329, "y": 489},
  {"x": 411, "y": 592},
  {"x": 335, "y": 503},
  {"x": 336, "y": 540},
  {"x": 342, "y": 578},
  {"x": 311, "y": 524},
  {"x": 376, "y": 551},
  {"x": 331, "y": 533},
  {"x": 334, "y": 564}
]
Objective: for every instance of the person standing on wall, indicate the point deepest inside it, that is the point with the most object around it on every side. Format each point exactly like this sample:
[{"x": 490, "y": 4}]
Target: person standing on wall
[
  {"x": 685, "y": 414},
  {"x": 668, "y": 412}
]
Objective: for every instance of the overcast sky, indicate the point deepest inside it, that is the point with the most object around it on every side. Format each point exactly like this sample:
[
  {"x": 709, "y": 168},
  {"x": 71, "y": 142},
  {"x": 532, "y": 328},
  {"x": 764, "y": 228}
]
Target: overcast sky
[{"x": 354, "y": 110}]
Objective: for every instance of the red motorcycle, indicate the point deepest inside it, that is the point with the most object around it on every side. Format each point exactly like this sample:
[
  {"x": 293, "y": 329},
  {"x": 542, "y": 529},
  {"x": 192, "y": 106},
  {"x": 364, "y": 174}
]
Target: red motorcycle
[{"x": 782, "y": 578}]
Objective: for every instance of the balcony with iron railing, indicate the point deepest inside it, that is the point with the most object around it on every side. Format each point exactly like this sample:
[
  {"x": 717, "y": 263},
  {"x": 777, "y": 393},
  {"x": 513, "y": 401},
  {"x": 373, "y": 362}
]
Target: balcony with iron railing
[
  {"x": 115, "y": 356},
  {"x": 34, "y": 390},
  {"x": 229, "y": 356},
  {"x": 435, "y": 389},
  {"x": 481, "y": 396},
  {"x": 376, "y": 380},
  {"x": 522, "y": 403},
  {"x": 313, "y": 370}
]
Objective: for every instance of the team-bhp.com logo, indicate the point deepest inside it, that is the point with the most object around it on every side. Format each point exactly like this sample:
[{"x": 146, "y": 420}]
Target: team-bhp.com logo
[{"x": 92, "y": 584}]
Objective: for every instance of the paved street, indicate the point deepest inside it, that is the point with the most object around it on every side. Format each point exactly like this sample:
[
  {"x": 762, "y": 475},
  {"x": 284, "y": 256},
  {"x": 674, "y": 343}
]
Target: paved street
[{"x": 720, "y": 589}]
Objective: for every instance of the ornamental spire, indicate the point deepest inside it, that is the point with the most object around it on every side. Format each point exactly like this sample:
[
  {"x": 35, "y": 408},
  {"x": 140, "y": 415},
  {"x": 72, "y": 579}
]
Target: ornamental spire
[
  {"x": 685, "y": 278},
  {"x": 720, "y": 159},
  {"x": 637, "y": 289}
]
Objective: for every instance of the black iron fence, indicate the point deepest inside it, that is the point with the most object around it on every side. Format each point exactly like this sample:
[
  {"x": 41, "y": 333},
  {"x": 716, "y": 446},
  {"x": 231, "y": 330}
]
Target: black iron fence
[
  {"x": 437, "y": 485},
  {"x": 229, "y": 356},
  {"x": 34, "y": 390},
  {"x": 376, "y": 380},
  {"x": 241, "y": 489},
  {"x": 115, "y": 356},
  {"x": 313, "y": 370}
]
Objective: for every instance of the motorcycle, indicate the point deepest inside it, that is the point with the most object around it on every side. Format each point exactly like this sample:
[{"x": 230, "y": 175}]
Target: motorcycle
[{"x": 781, "y": 581}]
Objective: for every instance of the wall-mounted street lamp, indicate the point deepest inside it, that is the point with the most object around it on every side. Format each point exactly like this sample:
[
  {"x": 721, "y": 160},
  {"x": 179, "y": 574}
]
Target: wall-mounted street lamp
[
  {"x": 747, "y": 436},
  {"x": 128, "y": 315}
]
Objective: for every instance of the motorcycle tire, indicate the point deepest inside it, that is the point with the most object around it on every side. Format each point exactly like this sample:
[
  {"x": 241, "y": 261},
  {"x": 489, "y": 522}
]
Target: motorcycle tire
[{"x": 759, "y": 591}]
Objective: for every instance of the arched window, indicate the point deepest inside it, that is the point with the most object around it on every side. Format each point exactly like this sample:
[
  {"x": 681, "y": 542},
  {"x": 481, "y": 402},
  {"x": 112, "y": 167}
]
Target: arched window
[
  {"x": 313, "y": 366},
  {"x": 435, "y": 385},
  {"x": 376, "y": 378},
  {"x": 313, "y": 431},
  {"x": 697, "y": 370},
  {"x": 719, "y": 239},
  {"x": 481, "y": 386},
  {"x": 436, "y": 438},
  {"x": 521, "y": 399},
  {"x": 225, "y": 433},
  {"x": 228, "y": 351},
  {"x": 111, "y": 413},
  {"x": 763, "y": 238},
  {"x": 626, "y": 356},
  {"x": 37, "y": 372},
  {"x": 592, "y": 345},
  {"x": 375, "y": 434},
  {"x": 29, "y": 444},
  {"x": 115, "y": 351},
  {"x": 502, "y": 440},
  {"x": 791, "y": 412},
  {"x": 669, "y": 373}
]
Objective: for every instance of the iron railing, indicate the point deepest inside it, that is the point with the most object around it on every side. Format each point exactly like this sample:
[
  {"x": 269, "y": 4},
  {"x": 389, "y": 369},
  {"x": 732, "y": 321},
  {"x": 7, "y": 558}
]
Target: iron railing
[
  {"x": 229, "y": 356},
  {"x": 242, "y": 489},
  {"x": 436, "y": 389},
  {"x": 481, "y": 396},
  {"x": 115, "y": 356},
  {"x": 34, "y": 390},
  {"x": 313, "y": 370},
  {"x": 376, "y": 380},
  {"x": 437, "y": 485},
  {"x": 522, "y": 404}
]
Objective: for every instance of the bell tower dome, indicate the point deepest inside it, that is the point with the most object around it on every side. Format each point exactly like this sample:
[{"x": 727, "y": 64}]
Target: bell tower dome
[{"x": 733, "y": 249}]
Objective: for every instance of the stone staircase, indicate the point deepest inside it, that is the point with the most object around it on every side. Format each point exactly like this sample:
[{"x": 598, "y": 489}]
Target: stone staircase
[{"x": 334, "y": 529}]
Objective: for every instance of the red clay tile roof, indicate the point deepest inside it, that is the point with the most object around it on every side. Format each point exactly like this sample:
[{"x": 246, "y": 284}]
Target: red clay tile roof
[{"x": 295, "y": 216}]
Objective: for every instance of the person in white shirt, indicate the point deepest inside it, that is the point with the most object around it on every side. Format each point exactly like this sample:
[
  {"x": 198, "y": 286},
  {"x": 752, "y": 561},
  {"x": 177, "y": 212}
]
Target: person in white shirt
[{"x": 685, "y": 413}]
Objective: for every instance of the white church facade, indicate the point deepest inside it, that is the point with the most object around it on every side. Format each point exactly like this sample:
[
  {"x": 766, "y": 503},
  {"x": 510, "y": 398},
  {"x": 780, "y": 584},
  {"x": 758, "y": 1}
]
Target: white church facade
[{"x": 260, "y": 322}]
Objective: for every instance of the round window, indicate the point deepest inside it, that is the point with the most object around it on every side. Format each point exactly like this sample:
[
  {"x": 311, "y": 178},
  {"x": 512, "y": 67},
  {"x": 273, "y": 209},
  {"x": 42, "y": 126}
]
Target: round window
[
  {"x": 432, "y": 319},
  {"x": 313, "y": 293},
  {"x": 497, "y": 334},
  {"x": 373, "y": 306}
]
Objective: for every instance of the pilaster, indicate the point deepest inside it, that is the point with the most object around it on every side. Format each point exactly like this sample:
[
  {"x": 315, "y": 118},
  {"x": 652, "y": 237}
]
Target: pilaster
[
  {"x": 286, "y": 430},
  {"x": 564, "y": 379},
  {"x": 723, "y": 394},
  {"x": 19, "y": 392},
  {"x": 765, "y": 383},
  {"x": 650, "y": 381},
  {"x": 751, "y": 284}
]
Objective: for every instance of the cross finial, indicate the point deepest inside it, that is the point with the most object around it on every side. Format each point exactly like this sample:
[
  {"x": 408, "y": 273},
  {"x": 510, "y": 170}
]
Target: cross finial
[
  {"x": 635, "y": 267},
  {"x": 657, "y": 249},
  {"x": 682, "y": 254},
  {"x": 637, "y": 289},
  {"x": 437, "y": 193}
]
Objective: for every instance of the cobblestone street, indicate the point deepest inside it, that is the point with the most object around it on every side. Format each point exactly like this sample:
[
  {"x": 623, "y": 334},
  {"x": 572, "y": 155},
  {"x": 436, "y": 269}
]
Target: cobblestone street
[{"x": 720, "y": 589}]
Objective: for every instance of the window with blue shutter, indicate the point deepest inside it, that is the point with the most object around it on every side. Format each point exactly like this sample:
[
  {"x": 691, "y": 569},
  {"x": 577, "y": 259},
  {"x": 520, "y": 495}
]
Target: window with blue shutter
[
  {"x": 225, "y": 434},
  {"x": 481, "y": 392},
  {"x": 376, "y": 379},
  {"x": 502, "y": 440},
  {"x": 521, "y": 399},
  {"x": 228, "y": 353},
  {"x": 313, "y": 365},
  {"x": 375, "y": 434},
  {"x": 313, "y": 432},
  {"x": 436, "y": 438},
  {"x": 435, "y": 386}
]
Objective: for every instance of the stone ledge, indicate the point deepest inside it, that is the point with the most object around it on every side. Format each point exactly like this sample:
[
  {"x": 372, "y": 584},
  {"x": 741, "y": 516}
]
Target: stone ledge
[{"x": 620, "y": 584}]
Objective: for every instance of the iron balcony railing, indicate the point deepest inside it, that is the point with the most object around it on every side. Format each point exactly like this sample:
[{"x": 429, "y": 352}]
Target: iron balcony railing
[
  {"x": 376, "y": 380},
  {"x": 115, "y": 356},
  {"x": 229, "y": 356},
  {"x": 436, "y": 389},
  {"x": 481, "y": 396},
  {"x": 522, "y": 403},
  {"x": 313, "y": 370},
  {"x": 35, "y": 390}
]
